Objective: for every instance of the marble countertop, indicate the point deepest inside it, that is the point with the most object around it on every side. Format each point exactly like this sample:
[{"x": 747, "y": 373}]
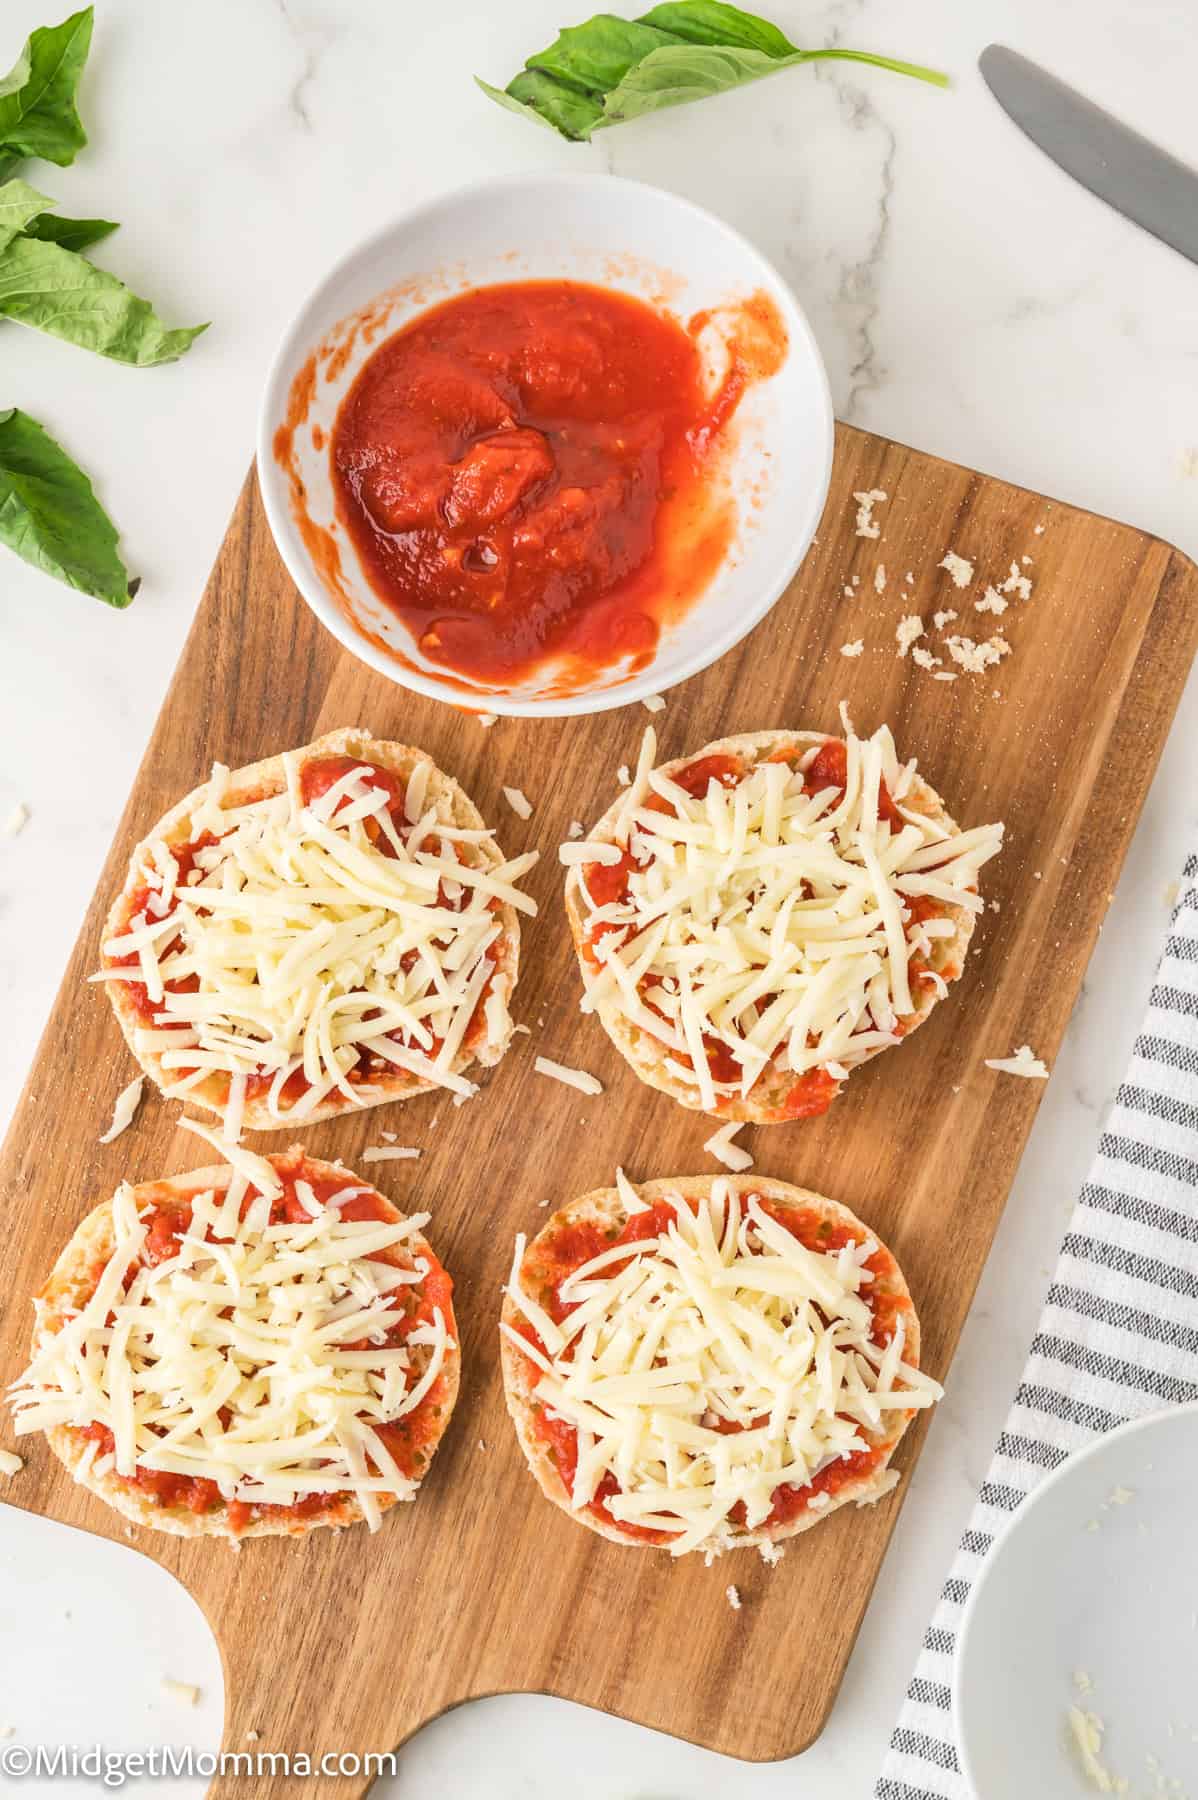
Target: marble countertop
[{"x": 968, "y": 298}]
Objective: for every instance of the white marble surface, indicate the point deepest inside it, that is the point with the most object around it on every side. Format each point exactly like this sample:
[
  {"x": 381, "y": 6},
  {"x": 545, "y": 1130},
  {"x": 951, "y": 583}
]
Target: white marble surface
[{"x": 969, "y": 299}]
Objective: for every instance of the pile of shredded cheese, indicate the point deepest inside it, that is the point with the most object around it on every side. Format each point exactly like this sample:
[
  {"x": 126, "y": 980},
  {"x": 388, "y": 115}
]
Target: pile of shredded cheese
[
  {"x": 726, "y": 1316},
  {"x": 254, "y": 1326},
  {"x": 773, "y": 920},
  {"x": 311, "y": 950}
]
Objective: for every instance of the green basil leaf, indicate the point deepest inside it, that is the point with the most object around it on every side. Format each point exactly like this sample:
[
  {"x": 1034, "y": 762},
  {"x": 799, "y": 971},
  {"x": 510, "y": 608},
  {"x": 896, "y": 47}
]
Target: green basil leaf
[
  {"x": 52, "y": 289},
  {"x": 673, "y": 76},
  {"x": 20, "y": 205},
  {"x": 72, "y": 234},
  {"x": 595, "y": 56},
  {"x": 575, "y": 115},
  {"x": 37, "y": 96},
  {"x": 50, "y": 516},
  {"x": 512, "y": 104},
  {"x": 711, "y": 22},
  {"x": 688, "y": 72},
  {"x": 608, "y": 69}
]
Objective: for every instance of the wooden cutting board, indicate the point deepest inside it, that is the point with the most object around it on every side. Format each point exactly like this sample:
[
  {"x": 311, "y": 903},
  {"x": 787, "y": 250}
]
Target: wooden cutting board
[{"x": 350, "y": 1642}]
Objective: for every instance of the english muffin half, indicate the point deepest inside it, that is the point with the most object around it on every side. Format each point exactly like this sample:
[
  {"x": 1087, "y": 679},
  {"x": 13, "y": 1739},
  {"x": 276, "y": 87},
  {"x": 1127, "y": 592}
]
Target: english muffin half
[
  {"x": 245, "y": 1352},
  {"x": 329, "y": 929},
  {"x": 756, "y": 920},
  {"x": 709, "y": 1362}
]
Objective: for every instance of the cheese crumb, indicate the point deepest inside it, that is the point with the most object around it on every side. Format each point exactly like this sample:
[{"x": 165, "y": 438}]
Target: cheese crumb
[
  {"x": 251, "y": 1737},
  {"x": 575, "y": 829},
  {"x": 975, "y": 658},
  {"x": 959, "y": 568},
  {"x": 848, "y": 593},
  {"x": 624, "y": 775},
  {"x": 653, "y": 703},
  {"x": 389, "y": 1153},
  {"x": 122, "y": 1113},
  {"x": 1039, "y": 531},
  {"x": 11, "y": 1463},
  {"x": 1119, "y": 1496},
  {"x": 486, "y": 720},
  {"x": 909, "y": 628},
  {"x": 853, "y": 649},
  {"x": 991, "y": 601},
  {"x": 941, "y": 619},
  {"x": 518, "y": 802},
  {"x": 944, "y": 675},
  {"x": 17, "y": 819},
  {"x": 1086, "y": 1730},
  {"x": 720, "y": 1145},
  {"x": 182, "y": 1691},
  {"x": 1016, "y": 583},
  {"x": 575, "y": 1078},
  {"x": 771, "y": 1554},
  {"x": 909, "y": 578},
  {"x": 732, "y": 1596},
  {"x": 1023, "y": 1062},
  {"x": 880, "y": 579},
  {"x": 924, "y": 659},
  {"x": 867, "y": 526}
]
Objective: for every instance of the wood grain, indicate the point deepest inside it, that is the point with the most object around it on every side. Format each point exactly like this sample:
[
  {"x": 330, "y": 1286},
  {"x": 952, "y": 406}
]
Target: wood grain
[{"x": 352, "y": 1642}]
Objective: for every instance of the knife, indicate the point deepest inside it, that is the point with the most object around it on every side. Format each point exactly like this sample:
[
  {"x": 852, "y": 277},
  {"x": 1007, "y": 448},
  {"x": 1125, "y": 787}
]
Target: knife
[{"x": 1129, "y": 172}]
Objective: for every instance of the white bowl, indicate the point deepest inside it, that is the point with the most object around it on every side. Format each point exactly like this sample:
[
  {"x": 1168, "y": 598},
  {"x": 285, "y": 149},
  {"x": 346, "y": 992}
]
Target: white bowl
[
  {"x": 597, "y": 228},
  {"x": 1098, "y": 1573}
]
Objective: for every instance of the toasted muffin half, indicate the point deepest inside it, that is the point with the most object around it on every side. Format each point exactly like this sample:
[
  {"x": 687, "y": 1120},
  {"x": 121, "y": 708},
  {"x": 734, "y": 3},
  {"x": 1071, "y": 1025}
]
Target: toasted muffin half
[
  {"x": 750, "y": 912},
  {"x": 323, "y": 960},
  {"x": 289, "y": 1252},
  {"x": 652, "y": 1433}
]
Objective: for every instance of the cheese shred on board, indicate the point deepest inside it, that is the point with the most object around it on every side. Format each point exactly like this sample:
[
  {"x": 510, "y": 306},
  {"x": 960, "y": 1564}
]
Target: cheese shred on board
[
  {"x": 326, "y": 944},
  {"x": 700, "y": 1373},
  {"x": 782, "y": 907},
  {"x": 209, "y": 1357}
]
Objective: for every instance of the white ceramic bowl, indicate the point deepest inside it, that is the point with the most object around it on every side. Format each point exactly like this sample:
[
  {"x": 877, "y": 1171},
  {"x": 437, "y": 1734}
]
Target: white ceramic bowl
[
  {"x": 620, "y": 234},
  {"x": 1098, "y": 1573}
]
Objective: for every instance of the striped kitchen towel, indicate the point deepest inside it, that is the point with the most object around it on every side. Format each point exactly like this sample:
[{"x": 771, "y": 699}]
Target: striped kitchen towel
[{"x": 1118, "y": 1336}]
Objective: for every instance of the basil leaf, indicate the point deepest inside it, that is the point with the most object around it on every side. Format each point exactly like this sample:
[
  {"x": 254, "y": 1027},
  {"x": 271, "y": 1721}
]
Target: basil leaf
[
  {"x": 72, "y": 234},
  {"x": 608, "y": 69},
  {"x": 50, "y": 516},
  {"x": 710, "y": 22},
  {"x": 538, "y": 96},
  {"x": 52, "y": 289},
  {"x": 598, "y": 55},
  {"x": 19, "y": 207},
  {"x": 673, "y": 76},
  {"x": 37, "y": 96},
  {"x": 688, "y": 72}
]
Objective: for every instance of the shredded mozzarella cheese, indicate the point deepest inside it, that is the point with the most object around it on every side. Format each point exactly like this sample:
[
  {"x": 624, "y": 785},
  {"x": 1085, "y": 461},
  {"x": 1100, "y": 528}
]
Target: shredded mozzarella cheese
[
  {"x": 1024, "y": 1062},
  {"x": 230, "y": 1361},
  {"x": 771, "y": 921},
  {"x": 576, "y": 1078},
  {"x": 301, "y": 948},
  {"x": 122, "y": 1113},
  {"x": 723, "y": 1318}
]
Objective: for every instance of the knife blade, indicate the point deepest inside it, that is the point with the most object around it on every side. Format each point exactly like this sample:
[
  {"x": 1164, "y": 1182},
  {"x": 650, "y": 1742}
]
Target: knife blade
[{"x": 1135, "y": 176}]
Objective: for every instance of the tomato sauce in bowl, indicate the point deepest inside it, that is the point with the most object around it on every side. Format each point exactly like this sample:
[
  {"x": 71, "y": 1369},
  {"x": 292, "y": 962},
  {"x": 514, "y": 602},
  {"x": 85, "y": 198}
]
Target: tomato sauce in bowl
[{"x": 529, "y": 473}]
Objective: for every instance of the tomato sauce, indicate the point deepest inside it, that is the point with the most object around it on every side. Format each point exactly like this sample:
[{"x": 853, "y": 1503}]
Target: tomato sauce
[
  {"x": 572, "y": 1245},
  {"x": 527, "y": 473},
  {"x": 407, "y": 1439}
]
